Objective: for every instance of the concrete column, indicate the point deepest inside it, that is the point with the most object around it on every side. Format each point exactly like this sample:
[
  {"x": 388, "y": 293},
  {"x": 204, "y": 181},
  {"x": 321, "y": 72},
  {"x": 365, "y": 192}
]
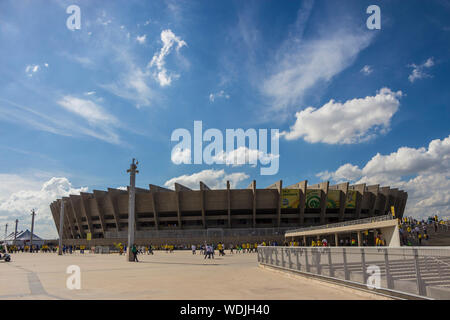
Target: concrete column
[
  {"x": 155, "y": 211},
  {"x": 302, "y": 204},
  {"x": 61, "y": 224},
  {"x": 323, "y": 202},
  {"x": 280, "y": 190},
  {"x": 131, "y": 209},
  {"x": 359, "y": 239},
  {"x": 336, "y": 239},
  {"x": 344, "y": 188},
  {"x": 360, "y": 190},
  {"x": 253, "y": 186},
  {"x": 177, "y": 196},
  {"x": 15, "y": 232},
  {"x": 229, "y": 204},
  {"x": 304, "y": 241},
  {"x": 374, "y": 191},
  {"x": 202, "y": 197}
]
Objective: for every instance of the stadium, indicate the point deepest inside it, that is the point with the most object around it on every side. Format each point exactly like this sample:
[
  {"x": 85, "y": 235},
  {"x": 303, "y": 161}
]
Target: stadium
[{"x": 183, "y": 215}]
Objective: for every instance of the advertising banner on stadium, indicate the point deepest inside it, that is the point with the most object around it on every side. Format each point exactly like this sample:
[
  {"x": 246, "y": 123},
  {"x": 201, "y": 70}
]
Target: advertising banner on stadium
[
  {"x": 333, "y": 199},
  {"x": 313, "y": 199},
  {"x": 290, "y": 198},
  {"x": 351, "y": 199}
]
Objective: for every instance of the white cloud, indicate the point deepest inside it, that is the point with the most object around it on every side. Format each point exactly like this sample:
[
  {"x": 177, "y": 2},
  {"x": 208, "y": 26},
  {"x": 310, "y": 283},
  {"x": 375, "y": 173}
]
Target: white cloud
[
  {"x": 89, "y": 93},
  {"x": 46, "y": 65},
  {"x": 30, "y": 69},
  {"x": 304, "y": 64},
  {"x": 215, "y": 179},
  {"x": 132, "y": 85},
  {"x": 423, "y": 172},
  {"x": 419, "y": 70},
  {"x": 243, "y": 155},
  {"x": 367, "y": 70},
  {"x": 84, "y": 61},
  {"x": 101, "y": 124},
  {"x": 87, "y": 109},
  {"x": 346, "y": 123},
  {"x": 220, "y": 94},
  {"x": 141, "y": 39},
  {"x": 344, "y": 173},
  {"x": 18, "y": 201},
  {"x": 180, "y": 156},
  {"x": 169, "y": 39}
]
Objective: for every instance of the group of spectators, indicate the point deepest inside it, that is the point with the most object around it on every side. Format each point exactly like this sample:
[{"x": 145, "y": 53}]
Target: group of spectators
[
  {"x": 27, "y": 248},
  {"x": 416, "y": 232}
]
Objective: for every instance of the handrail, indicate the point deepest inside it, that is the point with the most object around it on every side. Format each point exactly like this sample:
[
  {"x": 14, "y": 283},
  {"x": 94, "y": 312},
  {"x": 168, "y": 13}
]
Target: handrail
[{"x": 345, "y": 224}]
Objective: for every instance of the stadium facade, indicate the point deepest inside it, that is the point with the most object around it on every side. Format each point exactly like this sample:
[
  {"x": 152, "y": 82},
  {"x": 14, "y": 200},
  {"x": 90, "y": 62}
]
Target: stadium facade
[{"x": 184, "y": 215}]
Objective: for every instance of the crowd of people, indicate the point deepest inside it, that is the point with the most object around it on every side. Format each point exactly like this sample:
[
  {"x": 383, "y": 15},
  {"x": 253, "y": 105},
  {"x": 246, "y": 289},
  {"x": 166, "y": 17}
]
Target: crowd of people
[
  {"x": 417, "y": 232},
  {"x": 413, "y": 232}
]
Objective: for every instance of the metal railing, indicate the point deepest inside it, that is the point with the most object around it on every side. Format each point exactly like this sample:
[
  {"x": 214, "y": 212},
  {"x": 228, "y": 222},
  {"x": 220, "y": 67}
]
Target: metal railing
[
  {"x": 414, "y": 271},
  {"x": 204, "y": 233},
  {"x": 345, "y": 224}
]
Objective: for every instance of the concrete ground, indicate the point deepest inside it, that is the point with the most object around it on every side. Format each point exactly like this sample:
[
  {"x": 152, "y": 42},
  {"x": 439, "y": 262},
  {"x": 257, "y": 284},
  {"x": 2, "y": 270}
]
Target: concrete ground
[{"x": 172, "y": 276}]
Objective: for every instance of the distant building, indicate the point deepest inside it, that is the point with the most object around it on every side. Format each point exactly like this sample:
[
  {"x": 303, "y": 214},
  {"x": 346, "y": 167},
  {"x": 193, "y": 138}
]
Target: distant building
[
  {"x": 23, "y": 239},
  {"x": 184, "y": 216}
]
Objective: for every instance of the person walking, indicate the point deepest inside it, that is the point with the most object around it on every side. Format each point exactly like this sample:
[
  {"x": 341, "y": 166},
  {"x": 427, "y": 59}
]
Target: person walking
[{"x": 134, "y": 251}]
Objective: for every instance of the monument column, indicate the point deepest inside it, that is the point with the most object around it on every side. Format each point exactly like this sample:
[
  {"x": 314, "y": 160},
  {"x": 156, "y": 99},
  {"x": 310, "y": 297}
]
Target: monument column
[{"x": 131, "y": 208}]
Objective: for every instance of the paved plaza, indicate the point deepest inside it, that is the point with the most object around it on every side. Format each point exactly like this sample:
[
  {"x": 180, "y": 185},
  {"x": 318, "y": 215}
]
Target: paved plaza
[{"x": 177, "y": 275}]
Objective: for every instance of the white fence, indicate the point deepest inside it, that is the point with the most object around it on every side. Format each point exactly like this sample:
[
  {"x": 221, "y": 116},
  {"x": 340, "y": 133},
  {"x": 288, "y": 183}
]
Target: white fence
[{"x": 417, "y": 271}]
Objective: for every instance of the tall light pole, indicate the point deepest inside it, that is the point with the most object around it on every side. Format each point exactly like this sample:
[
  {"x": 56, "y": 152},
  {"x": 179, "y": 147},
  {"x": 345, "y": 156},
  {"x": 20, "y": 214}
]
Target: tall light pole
[
  {"x": 6, "y": 232},
  {"x": 131, "y": 207},
  {"x": 15, "y": 232},
  {"x": 61, "y": 225},
  {"x": 33, "y": 213}
]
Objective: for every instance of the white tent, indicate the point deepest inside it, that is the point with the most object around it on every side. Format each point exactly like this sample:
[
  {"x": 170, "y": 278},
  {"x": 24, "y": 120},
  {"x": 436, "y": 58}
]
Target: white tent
[{"x": 23, "y": 238}]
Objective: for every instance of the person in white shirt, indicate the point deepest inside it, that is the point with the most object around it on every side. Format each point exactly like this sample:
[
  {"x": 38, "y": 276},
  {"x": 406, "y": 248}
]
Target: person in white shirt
[{"x": 193, "y": 248}]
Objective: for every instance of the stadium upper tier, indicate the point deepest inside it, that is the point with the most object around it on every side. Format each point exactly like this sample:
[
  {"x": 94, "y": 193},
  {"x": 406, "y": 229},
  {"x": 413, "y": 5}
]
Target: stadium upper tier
[{"x": 104, "y": 214}]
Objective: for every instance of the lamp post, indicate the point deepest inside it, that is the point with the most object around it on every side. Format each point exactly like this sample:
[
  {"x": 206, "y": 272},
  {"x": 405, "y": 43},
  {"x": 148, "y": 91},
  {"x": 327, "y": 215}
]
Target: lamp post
[
  {"x": 15, "y": 232},
  {"x": 33, "y": 213}
]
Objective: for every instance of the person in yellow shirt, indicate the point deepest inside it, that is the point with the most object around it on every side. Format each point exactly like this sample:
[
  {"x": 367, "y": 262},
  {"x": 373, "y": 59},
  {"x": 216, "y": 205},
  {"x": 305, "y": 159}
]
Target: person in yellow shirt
[{"x": 313, "y": 243}]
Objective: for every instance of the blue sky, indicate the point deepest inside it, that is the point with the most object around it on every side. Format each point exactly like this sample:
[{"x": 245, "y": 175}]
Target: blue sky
[{"x": 352, "y": 104}]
